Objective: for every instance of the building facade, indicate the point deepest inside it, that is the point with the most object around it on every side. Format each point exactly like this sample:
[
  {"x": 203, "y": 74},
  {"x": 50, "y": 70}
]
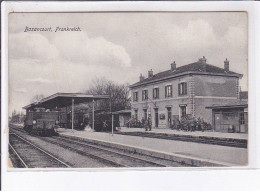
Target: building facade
[{"x": 183, "y": 91}]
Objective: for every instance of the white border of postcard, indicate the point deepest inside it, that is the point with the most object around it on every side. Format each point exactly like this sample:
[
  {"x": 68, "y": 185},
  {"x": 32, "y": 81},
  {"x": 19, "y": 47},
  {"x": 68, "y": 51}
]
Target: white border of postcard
[{"x": 175, "y": 178}]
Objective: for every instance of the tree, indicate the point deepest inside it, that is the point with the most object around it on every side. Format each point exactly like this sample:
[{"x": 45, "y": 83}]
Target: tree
[
  {"x": 118, "y": 93},
  {"x": 37, "y": 98}
]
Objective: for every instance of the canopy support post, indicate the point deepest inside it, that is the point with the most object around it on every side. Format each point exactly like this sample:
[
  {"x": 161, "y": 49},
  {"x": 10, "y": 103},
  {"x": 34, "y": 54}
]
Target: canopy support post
[
  {"x": 93, "y": 115},
  {"x": 112, "y": 124},
  {"x": 72, "y": 115}
]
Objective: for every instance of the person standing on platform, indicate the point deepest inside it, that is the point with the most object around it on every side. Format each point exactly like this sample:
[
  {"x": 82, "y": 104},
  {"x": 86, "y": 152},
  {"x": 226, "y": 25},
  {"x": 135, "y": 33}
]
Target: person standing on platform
[
  {"x": 199, "y": 124},
  {"x": 146, "y": 124},
  {"x": 150, "y": 123},
  {"x": 143, "y": 122}
]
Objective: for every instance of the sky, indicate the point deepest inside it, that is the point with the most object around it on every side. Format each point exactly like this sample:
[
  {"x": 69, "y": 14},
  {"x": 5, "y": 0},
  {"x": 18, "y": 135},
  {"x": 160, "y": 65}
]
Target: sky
[{"x": 116, "y": 46}]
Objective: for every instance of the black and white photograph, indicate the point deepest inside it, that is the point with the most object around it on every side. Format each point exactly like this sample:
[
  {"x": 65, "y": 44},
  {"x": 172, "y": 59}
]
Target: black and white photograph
[
  {"x": 128, "y": 89},
  {"x": 130, "y": 96}
]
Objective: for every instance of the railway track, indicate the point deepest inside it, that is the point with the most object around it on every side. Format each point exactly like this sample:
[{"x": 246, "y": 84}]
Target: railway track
[
  {"x": 113, "y": 157},
  {"x": 125, "y": 158},
  {"x": 205, "y": 140},
  {"x": 25, "y": 154},
  {"x": 109, "y": 155},
  {"x": 52, "y": 140},
  {"x": 239, "y": 143}
]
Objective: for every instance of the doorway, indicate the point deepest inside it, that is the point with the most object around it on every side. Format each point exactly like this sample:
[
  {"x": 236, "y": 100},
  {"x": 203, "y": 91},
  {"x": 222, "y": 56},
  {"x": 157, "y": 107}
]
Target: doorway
[
  {"x": 169, "y": 116},
  {"x": 183, "y": 111},
  {"x": 145, "y": 114},
  {"x": 156, "y": 117}
]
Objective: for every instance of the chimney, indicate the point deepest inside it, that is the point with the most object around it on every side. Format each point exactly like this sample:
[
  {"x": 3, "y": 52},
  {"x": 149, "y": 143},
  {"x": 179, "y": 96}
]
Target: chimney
[
  {"x": 203, "y": 59},
  {"x": 141, "y": 78},
  {"x": 150, "y": 73},
  {"x": 226, "y": 65},
  {"x": 173, "y": 66}
]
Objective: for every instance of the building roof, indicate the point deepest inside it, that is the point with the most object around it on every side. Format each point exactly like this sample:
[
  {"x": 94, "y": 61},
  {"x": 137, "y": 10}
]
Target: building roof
[
  {"x": 229, "y": 105},
  {"x": 60, "y": 100},
  {"x": 193, "y": 68}
]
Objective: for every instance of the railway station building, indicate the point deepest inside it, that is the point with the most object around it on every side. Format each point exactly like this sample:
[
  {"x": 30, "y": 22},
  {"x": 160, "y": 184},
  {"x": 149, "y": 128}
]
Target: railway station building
[{"x": 184, "y": 91}]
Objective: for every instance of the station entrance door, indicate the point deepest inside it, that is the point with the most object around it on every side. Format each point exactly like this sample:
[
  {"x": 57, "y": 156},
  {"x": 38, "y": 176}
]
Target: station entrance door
[
  {"x": 156, "y": 117},
  {"x": 169, "y": 117}
]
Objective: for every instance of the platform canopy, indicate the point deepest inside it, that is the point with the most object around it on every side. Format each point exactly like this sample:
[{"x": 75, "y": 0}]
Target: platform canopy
[{"x": 60, "y": 100}]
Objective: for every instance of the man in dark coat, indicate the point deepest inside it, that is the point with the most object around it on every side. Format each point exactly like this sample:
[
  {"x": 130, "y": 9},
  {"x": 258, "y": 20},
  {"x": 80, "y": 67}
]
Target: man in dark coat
[{"x": 150, "y": 123}]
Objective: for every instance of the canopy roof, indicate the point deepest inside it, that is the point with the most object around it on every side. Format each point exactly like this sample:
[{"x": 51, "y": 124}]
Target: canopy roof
[
  {"x": 228, "y": 106},
  {"x": 60, "y": 100}
]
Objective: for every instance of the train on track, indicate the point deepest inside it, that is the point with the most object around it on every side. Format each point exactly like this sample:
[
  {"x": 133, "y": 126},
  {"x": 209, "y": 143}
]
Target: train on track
[
  {"x": 103, "y": 121},
  {"x": 41, "y": 123},
  {"x": 44, "y": 123}
]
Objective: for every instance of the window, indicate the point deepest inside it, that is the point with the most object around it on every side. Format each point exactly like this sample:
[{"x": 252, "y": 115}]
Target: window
[
  {"x": 182, "y": 88},
  {"x": 135, "y": 96},
  {"x": 156, "y": 93},
  {"x": 241, "y": 118},
  {"x": 168, "y": 91},
  {"x": 145, "y": 95}
]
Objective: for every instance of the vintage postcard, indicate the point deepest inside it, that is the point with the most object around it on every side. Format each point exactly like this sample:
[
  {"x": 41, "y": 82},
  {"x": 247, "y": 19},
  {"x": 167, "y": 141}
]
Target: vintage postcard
[
  {"x": 128, "y": 89},
  {"x": 105, "y": 95}
]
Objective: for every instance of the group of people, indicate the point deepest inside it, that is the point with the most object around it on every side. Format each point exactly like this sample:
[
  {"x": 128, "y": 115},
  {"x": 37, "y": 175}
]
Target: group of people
[
  {"x": 147, "y": 123},
  {"x": 183, "y": 124},
  {"x": 194, "y": 124},
  {"x": 143, "y": 123},
  {"x": 134, "y": 123}
]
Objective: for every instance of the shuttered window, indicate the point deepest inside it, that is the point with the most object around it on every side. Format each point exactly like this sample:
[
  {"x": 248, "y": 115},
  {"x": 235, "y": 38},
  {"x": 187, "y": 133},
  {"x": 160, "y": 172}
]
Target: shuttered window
[
  {"x": 182, "y": 87},
  {"x": 156, "y": 93},
  {"x": 168, "y": 91},
  {"x": 145, "y": 95}
]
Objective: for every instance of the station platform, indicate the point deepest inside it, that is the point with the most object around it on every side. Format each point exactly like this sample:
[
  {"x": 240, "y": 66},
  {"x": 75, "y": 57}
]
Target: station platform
[
  {"x": 188, "y": 152},
  {"x": 189, "y": 133}
]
